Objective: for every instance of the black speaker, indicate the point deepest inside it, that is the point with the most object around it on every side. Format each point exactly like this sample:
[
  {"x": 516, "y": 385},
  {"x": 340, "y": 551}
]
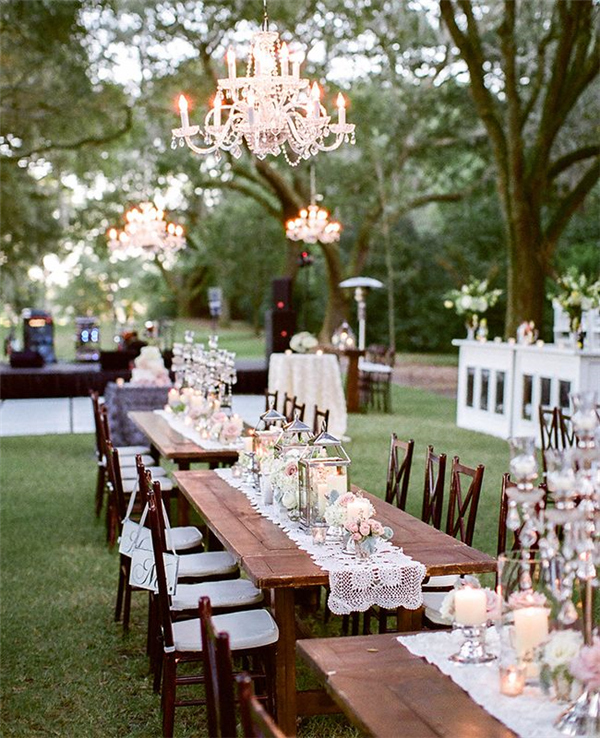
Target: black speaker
[
  {"x": 282, "y": 293},
  {"x": 280, "y": 326}
]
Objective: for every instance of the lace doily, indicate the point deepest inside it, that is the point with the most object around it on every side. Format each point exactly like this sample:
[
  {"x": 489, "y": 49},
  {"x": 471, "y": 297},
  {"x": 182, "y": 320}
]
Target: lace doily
[
  {"x": 389, "y": 578},
  {"x": 209, "y": 444},
  {"x": 530, "y": 715}
]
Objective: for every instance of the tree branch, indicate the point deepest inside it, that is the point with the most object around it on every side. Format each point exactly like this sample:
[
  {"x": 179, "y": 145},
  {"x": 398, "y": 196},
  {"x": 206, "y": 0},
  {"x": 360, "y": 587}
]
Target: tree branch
[
  {"x": 570, "y": 204},
  {"x": 564, "y": 162}
]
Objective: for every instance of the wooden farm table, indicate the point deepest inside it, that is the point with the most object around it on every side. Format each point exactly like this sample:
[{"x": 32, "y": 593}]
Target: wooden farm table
[
  {"x": 386, "y": 691},
  {"x": 167, "y": 443},
  {"x": 273, "y": 561}
]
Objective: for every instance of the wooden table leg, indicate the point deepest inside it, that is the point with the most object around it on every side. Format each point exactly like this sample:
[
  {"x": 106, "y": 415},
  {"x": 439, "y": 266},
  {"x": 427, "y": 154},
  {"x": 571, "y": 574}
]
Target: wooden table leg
[
  {"x": 183, "y": 506},
  {"x": 285, "y": 669}
]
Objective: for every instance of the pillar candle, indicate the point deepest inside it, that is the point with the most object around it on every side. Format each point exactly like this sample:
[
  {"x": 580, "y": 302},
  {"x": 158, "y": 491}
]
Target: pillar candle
[
  {"x": 338, "y": 482},
  {"x": 358, "y": 508},
  {"x": 248, "y": 444},
  {"x": 531, "y": 628},
  {"x": 322, "y": 495},
  {"x": 470, "y": 606}
]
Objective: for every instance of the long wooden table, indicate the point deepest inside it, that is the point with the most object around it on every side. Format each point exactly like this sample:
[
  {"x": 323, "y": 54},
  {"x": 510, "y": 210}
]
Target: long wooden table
[
  {"x": 271, "y": 560},
  {"x": 386, "y": 691}
]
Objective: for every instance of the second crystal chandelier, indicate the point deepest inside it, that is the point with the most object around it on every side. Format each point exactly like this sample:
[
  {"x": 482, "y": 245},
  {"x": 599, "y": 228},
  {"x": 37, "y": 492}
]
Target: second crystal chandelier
[
  {"x": 271, "y": 108},
  {"x": 312, "y": 225},
  {"x": 146, "y": 232}
]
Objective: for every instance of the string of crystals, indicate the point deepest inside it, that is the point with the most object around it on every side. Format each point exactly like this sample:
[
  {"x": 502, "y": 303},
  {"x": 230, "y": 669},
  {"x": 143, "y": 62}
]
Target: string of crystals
[
  {"x": 566, "y": 529},
  {"x": 146, "y": 232},
  {"x": 312, "y": 224},
  {"x": 210, "y": 374},
  {"x": 271, "y": 108}
]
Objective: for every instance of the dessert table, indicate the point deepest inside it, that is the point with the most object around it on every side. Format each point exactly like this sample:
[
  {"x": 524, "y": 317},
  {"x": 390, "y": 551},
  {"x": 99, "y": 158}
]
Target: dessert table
[
  {"x": 316, "y": 380},
  {"x": 385, "y": 690},
  {"x": 271, "y": 560}
]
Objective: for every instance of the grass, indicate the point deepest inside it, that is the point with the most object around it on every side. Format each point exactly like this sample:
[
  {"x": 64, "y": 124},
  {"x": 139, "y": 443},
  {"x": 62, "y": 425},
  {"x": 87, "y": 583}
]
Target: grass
[{"x": 67, "y": 669}]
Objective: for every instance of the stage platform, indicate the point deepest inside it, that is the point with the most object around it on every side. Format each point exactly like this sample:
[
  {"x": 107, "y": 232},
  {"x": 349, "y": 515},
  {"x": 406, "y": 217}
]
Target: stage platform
[{"x": 77, "y": 379}]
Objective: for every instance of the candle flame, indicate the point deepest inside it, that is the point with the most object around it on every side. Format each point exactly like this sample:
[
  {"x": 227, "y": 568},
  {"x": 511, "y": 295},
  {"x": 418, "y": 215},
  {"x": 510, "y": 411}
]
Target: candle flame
[
  {"x": 183, "y": 103},
  {"x": 341, "y": 102},
  {"x": 315, "y": 92},
  {"x": 284, "y": 52}
]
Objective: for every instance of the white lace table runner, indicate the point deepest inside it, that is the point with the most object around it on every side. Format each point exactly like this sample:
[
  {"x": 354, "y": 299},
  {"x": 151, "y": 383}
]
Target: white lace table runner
[
  {"x": 530, "y": 715},
  {"x": 209, "y": 444},
  {"x": 389, "y": 578}
]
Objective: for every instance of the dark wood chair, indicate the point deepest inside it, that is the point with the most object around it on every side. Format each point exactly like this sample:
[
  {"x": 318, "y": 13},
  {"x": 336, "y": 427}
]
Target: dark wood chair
[
  {"x": 256, "y": 721},
  {"x": 463, "y": 505},
  {"x": 271, "y": 397},
  {"x": 298, "y": 409},
  {"x": 398, "y": 475},
  {"x": 565, "y": 429},
  {"x": 288, "y": 406},
  {"x": 375, "y": 384},
  {"x": 251, "y": 632},
  {"x": 549, "y": 420},
  {"x": 433, "y": 488},
  {"x": 320, "y": 420},
  {"x": 101, "y": 476}
]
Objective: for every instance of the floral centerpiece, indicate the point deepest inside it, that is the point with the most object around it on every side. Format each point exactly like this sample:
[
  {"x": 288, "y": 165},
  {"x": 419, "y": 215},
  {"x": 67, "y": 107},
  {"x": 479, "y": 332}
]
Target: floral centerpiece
[
  {"x": 586, "y": 665},
  {"x": 472, "y": 300},
  {"x": 303, "y": 342},
  {"x": 354, "y": 515},
  {"x": 149, "y": 369},
  {"x": 230, "y": 429},
  {"x": 284, "y": 478},
  {"x": 555, "y": 656},
  {"x": 575, "y": 293},
  {"x": 366, "y": 534}
]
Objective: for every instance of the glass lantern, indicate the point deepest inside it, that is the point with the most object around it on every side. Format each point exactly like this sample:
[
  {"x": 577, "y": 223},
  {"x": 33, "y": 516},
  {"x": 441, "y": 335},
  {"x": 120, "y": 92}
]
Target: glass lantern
[
  {"x": 295, "y": 438},
  {"x": 267, "y": 433},
  {"x": 322, "y": 470}
]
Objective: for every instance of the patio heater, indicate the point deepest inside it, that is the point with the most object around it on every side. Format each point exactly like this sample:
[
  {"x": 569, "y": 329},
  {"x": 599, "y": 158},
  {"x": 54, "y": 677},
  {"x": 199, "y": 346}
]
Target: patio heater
[{"x": 361, "y": 286}]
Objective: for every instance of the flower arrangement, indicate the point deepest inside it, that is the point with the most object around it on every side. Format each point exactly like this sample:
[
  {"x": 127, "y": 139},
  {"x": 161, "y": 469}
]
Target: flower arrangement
[
  {"x": 555, "y": 656},
  {"x": 336, "y": 512},
  {"x": 517, "y": 600},
  {"x": 586, "y": 665},
  {"x": 284, "y": 479},
  {"x": 149, "y": 369},
  {"x": 303, "y": 342},
  {"x": 471, "y": 300},
  {"x": 367, "y": 532},
  {"x": 231, "y": 429},
  {"x": 575, "y": 293},
  {"x": 492, "y": 605}
]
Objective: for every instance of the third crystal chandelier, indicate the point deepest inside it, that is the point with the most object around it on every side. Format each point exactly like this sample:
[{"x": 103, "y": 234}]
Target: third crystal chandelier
[
  {"x": 271, "y": 108},
  {"x": 312, "y": 225}
]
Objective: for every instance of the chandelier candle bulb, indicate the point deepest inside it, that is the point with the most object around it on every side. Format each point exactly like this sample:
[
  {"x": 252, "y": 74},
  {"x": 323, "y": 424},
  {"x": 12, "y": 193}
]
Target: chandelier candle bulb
[
  {"x": 217, "y": 107},
  {"x": 469, "y": 606},
  {"x": 284, "y": 56},
  {"x": 296, "y": 67},
  {"x": 315, "y": 94},
  {"x": 183, "y": 111},
  {"x": 231, "y": 63},
  {"x": 250, "y": 100},
  {"x": 341, "y": 106}
]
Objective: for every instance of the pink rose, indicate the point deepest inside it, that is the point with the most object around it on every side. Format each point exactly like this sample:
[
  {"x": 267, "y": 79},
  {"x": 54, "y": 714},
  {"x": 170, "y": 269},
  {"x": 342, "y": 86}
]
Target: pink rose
[
  {"x": 231, "y": 430},
  {"x": 586, "y": 665},
  {"x": 351, "y": 526},
  {"x": 517, "y": 600},
  {"x": 493, "y": 604},
  {"x": 376, "y": 528},
  {"x": 365, "y": 528},
  {"x": 220, "y": 418},
  {"x": 356, "y": 537},
  {"x": 291, "y": 469},
  {"x": 345, "y": 499}
]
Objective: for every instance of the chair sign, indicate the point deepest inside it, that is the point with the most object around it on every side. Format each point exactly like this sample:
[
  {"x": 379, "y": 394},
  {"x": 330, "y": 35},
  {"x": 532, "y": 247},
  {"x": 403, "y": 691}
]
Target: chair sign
[{"x": 143, "y": 570}]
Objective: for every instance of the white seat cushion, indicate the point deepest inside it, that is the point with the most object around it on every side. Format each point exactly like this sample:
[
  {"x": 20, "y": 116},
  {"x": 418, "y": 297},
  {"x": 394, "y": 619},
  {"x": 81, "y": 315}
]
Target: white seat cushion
[
  {"x": 129, "y": 485},
  {"x": 446, "y": 580},
  {"x": 371, "y": 366},
  {"x": 433, "y": 602},
  {"x": 246, "y": 629},
  {"x": 228, "y": 593},
  {"x": 132, "y": 450},
  {"x": 184, "y": 537},
  {"x": 207, "y": 564},
  {"x": 130, "y": 472},
  {"x": 129, "y": 461}
]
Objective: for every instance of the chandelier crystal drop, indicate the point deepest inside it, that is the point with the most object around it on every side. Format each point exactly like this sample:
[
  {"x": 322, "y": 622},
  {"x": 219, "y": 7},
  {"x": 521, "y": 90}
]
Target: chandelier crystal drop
[
  {"x": 271, "y": 108},
  {"x": 312, "y": 225},
  {"x": 146, "y": 232}
]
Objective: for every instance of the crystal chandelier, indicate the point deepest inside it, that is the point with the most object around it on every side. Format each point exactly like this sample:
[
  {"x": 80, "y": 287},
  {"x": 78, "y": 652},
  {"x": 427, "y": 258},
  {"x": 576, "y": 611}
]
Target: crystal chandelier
[
  {"x": 146, "y": 232},
  {"x": 312, "y": 224},
  {"x": 271, "y": 108}
]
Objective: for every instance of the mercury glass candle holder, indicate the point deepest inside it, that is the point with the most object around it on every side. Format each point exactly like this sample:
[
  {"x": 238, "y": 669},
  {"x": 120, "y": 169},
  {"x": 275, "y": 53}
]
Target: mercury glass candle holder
[{"x": 473, "y": 649}]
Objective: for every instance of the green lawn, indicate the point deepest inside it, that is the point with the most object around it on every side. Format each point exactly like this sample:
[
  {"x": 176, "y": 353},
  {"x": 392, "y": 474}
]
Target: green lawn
[{"x": 67, "y": 669}]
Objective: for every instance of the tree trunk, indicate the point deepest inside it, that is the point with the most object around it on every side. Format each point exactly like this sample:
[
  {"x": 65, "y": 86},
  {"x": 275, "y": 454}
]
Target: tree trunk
[{"x": 337, "y": 301}]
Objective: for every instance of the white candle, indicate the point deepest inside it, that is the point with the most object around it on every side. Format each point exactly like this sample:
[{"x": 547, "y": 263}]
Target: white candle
[
  {"x": 315, "y": 94},
  {"x": 267, "y": 489},
  {"x": 296, "y": 66},
  {"x": 231, "y": 63},
  {"x": 183, "y": 111},
  {"x": 531, "y": 628},
  {"x": 284, "y": 56},
  {"x": 322, "y": 495},
  {"x": 470, "y": 606},
  {"x": 338, "y": 482},
  {"x": 248, "y": 444},
  {"x": 250, "y": 100},
  {"x": 358, "y": 509},
  {"x": 217, "y": 121},
  {"x": 341, "y": 106}
]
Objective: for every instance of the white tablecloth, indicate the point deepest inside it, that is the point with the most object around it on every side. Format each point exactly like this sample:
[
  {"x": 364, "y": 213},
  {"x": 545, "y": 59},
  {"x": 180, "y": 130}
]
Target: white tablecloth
[{"x": 315, "y": 379}]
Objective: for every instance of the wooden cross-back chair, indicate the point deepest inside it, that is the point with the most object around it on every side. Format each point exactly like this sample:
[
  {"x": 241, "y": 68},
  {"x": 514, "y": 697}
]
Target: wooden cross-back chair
[
  {"x": 320, "y": 420},
  {"x": 256, "y": 721},
  {"x": 550, "y": 431},
  {"x": 288, "y": 405},
  {"x": 463, "y": 505},
  {"x": 433, "y": 488},
  {"x": 100, "y": 458},
  {"x": 298, "y": 408},
  {"x": 566, "y": 430},
  {"x": 252, "y": 633},
  {"x": 398, "y": 475},
  {"x": 271, "y": 397}
]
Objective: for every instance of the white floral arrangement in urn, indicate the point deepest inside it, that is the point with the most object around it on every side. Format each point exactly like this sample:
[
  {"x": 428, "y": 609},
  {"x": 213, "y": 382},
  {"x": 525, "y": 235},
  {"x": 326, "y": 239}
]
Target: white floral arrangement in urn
[
  {"x": 285, "y": 481},
  {"x": 303, "y": 342},
  {"x": 472, "y": 300},
  {"x": 555, "y": 656},
  {"x": 149, "y": 369}
]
